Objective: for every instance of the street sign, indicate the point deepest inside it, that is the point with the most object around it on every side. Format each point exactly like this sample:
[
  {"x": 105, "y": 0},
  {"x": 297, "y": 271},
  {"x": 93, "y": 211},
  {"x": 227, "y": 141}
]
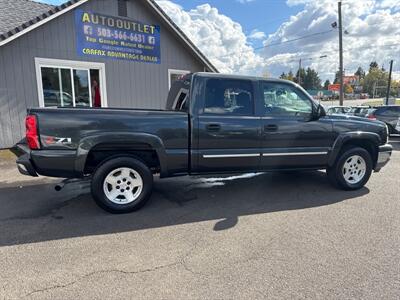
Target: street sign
[
  {"x": 352, "y": 79},
  {"x": 334, "y": 87}
]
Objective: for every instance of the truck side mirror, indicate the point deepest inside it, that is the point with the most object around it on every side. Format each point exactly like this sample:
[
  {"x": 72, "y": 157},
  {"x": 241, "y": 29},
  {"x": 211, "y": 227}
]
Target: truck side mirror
[
  {"x": 321, "y": 111},
  {"x": 318, "y": 113}
]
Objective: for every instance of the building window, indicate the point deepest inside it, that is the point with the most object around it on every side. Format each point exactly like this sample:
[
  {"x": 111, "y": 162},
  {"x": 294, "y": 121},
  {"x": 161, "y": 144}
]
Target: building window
[
  {"x": 122, "y": 8},
  {"x": 174, "y": 75},
  {"x": 70, "y": 84}
]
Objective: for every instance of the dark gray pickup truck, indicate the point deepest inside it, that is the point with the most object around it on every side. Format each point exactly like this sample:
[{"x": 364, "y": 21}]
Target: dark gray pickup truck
[{"x": 213, "y": 124}]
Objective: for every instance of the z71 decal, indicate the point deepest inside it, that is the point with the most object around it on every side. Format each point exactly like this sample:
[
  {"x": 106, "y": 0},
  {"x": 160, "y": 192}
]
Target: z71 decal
[{"x": 53, "y": 140}]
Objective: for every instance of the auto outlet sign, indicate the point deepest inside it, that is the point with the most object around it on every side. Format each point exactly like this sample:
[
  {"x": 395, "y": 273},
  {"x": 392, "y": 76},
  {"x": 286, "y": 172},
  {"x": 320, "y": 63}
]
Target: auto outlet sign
[{"x": 116, "y": 38}]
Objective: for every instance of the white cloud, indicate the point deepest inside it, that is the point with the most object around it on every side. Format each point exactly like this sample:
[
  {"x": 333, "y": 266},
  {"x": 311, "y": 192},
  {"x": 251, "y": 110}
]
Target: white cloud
[
  {"x": 390, "y": 4},
  {"x": 370, "y": 27},
  {"x": 220, "y": 38},
  {"x": 244, "y": 1},
  {"x": 257, "y": 35}
]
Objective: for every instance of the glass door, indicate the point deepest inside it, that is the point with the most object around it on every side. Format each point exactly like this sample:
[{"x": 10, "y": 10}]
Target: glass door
[
  {"x": 70, "y": 87},
  {"x": 82, "y": 88},
  {"x": 57, "y": 87}
]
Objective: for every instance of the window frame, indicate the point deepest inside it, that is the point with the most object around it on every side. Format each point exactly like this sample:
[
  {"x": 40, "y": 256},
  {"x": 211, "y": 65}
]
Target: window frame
[
  {"x": 253, "y": 98},
  {"x": 178, "y": 95},
  {"x": 71, "y": 65},
  {"x": 175, "y": 72},
  {"x": 291, "y": 87}
]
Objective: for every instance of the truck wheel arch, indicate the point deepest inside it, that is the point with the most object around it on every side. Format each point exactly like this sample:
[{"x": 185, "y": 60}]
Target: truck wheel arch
[
  {"x": 367, "y": 140},
  {"x": 131, "y": 141}
]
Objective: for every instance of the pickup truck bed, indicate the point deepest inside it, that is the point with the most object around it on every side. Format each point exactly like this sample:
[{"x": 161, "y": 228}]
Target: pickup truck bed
[{"x": 64, "y": 149}]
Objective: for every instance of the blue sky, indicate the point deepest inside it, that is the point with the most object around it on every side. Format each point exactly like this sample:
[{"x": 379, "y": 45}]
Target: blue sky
[
  {"x": 258, "y": 37},
  {"x": 54, "y": 2},
  {"x": 263, "y": 15}
]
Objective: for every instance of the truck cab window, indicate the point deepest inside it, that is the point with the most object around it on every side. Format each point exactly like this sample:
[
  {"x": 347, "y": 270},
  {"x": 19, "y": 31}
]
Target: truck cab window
[
  {"x": 181, "y": 102},
  {"x": 229, "y": 97},
  {"x": 284, "y": 100}
]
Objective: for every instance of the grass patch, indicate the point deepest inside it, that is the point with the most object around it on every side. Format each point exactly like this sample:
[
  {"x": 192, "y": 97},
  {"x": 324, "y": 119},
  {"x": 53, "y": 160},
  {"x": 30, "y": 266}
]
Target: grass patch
[
  {"x": 379, "y": 102},
  {"x": 7, "y": 155}
]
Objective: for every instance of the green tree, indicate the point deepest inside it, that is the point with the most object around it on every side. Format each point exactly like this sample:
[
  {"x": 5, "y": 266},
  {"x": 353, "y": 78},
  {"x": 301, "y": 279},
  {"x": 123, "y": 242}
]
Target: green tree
[
  {"x": 311, "y": 80},
  {"x": 373, "y": 65},
  {"x": 337, "y": 77},
  {"x": 375, "y": 78},
  {"x": 290, "y": 76},
  {"x": 283, "y": 76},
  {"x": 360, "y": 73},
  {"x": 348, "y": 89},
  {"x": 395, "y": 88},
  {"x": 302, "y": 72},
  {"x": 326, "y": 84}
]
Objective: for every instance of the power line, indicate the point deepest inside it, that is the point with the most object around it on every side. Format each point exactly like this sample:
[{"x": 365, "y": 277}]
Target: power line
[
  {"x": 276, "y": 44},
  {"x": 292, "y": 40},
  {"x": 296, "y": 39},
  {"x": 293, "y": 59}
]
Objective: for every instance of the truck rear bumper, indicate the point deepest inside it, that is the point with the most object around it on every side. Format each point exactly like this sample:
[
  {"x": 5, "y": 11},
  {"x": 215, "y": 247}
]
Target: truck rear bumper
[
  {"x": 384, "y": 154},
  {"x": 25, "y": 166},
  {"x": 52, "y": 163}
]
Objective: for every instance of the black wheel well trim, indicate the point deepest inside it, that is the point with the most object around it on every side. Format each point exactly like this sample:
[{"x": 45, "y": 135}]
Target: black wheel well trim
[
  {"x": 118, "y": 156},
  {"x": 89, "y": 143},
  {"x": 357, "y": 137}
]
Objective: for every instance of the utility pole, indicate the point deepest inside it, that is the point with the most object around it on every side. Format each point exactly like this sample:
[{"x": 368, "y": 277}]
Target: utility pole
[
  {"x": 389, "y": 83},
  {"x": 341, "y": 94},
  {"x": 299, "y": 77}
]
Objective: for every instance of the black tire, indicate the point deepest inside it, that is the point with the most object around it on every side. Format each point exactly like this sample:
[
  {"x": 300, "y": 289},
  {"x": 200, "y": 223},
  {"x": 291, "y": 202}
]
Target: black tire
[
  {"x": 100, "y": 175},
  {"x": 335, "y": 173}
]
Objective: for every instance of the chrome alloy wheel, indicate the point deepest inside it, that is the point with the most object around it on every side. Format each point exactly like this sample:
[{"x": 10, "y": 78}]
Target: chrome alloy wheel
[
  {"x": 354, "y": 169},
  {"x": 123, "y": 185}
]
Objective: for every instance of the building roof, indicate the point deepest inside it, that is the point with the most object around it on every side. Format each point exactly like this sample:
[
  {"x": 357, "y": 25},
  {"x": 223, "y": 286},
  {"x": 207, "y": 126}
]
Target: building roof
[
  {"x": 14, "y": 13},
  {"x": 18, "y": 17},
  {"x": 324, "y": 92}
]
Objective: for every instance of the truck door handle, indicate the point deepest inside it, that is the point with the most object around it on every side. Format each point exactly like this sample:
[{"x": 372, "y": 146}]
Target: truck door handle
[
  {"x": 213, "y": 127},
  {"x": 271, "y": 127}
]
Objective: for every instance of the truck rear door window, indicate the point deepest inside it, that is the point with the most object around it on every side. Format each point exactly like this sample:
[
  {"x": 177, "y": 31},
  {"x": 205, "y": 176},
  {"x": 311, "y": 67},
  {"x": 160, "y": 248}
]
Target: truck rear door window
[{"x": 229, "y": 97}]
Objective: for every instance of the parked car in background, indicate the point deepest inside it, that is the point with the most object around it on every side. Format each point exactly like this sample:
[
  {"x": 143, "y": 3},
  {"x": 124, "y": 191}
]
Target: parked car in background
[
  {"x": 54, "y": 98},
  {"x": 337, "y": 110},
  {"x": 389, "y": 114},
  {"x": 398, "y": 126},
  {"x": 359, "y": 111},
  {"x": 371, "y": 114}
]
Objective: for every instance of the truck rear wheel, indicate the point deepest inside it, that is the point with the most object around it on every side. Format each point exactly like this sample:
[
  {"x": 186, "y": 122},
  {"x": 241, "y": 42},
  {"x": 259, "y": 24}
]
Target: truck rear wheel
[
  {"x": 122, "y": 185},
  {"x": 352, "y": 169}
]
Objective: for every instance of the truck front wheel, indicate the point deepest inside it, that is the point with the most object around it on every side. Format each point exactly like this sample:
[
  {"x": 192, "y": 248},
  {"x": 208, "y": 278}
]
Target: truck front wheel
[
  {"x": 122, "y": 185},
  {"x": 352, "y": 169}
]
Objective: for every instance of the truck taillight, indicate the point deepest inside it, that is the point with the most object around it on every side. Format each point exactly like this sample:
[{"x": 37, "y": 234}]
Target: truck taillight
[
  {"x": 32, "y": 136},
  {"x": 371, "y": 117}
]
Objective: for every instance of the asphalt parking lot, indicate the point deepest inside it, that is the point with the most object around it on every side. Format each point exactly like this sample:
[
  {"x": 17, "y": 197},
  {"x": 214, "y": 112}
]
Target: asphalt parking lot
[{"x": 251, "y": 236}]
